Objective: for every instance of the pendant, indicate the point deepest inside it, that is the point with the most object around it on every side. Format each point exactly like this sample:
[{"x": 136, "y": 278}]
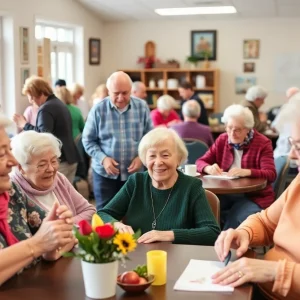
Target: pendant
[{"x": 153, "y": 224}]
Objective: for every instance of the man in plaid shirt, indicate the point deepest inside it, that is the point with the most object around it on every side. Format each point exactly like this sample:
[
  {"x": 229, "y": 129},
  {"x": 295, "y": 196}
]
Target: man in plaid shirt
[{"x": 111, "y": 136}]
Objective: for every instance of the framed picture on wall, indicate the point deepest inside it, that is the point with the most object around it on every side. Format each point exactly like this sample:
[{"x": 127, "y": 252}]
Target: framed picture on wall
[
  {"x": 94, "y": 51},
  {"x": 204, "y": 44},
  {"x": 242, "y": 84},
  {"x": 251, "y": 49},
  {"x": 24, "y": 45},
  {"x": 249, "y": 67},
  {"x": 25, "y": 73}
]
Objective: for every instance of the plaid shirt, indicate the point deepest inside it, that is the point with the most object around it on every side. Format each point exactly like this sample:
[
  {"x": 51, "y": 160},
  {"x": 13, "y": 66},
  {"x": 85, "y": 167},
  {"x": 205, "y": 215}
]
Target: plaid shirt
[{"x": 109, "y": 132}]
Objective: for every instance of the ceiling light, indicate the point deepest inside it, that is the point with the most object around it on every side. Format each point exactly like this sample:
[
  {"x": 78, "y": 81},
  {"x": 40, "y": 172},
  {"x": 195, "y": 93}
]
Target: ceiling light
[{"x": 204, "y": 10}]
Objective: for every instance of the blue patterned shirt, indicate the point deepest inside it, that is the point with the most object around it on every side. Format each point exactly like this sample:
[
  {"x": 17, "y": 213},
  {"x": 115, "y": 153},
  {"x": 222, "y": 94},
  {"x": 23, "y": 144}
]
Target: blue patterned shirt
[{"x": 109, "y": 132}]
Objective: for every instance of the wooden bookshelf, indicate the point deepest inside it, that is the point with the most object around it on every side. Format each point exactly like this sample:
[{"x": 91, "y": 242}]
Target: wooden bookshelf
[{"x": 209, "y": 94}]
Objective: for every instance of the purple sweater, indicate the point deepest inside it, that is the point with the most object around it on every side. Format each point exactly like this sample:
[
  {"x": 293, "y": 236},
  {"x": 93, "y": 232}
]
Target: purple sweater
[
  {"x": 194, "y": 130},
  {"x": 64, "y": 192}
]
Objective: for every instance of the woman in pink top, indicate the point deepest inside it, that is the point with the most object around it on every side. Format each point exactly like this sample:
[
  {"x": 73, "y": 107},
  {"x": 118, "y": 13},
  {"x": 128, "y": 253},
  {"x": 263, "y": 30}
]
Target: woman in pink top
[
  {"x": 30, "y": 114},
  {"x": 279, "y": 225},
  {"x": 37, "y": 174},
  {"x": 164, "y": 114}
]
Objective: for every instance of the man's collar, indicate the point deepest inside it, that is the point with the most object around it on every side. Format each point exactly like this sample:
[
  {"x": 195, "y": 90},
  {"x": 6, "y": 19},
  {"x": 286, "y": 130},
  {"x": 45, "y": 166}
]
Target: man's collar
[{"x": 112, "y": 106}]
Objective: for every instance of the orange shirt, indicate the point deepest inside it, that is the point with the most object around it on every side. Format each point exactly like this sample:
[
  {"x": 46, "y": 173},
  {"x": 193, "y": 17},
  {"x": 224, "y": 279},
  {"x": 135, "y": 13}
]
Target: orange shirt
[{"x": 280, "y": 225}]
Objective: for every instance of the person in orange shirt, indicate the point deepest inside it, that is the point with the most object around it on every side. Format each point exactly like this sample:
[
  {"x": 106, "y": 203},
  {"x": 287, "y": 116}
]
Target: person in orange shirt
[{"x": 278, "y": 273}]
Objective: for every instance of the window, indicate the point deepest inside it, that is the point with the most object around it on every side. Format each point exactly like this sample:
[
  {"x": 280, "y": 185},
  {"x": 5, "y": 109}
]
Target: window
[{"x": 62, "y": 50}]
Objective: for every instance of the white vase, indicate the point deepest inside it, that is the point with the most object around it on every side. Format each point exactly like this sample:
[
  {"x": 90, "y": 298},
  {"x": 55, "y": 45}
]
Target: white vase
[{"x": 100, "y": 280}]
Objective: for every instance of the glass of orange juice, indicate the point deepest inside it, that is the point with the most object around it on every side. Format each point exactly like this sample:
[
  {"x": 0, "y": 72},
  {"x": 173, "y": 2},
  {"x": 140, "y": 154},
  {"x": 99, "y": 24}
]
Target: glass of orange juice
[{"x": 157, "y": 266}]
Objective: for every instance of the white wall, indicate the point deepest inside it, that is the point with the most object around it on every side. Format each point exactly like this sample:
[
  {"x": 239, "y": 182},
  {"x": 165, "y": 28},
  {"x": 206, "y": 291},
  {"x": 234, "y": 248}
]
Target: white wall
[
  {"x": 124, "y": 42},
  {"x": 23, "y": 13}
]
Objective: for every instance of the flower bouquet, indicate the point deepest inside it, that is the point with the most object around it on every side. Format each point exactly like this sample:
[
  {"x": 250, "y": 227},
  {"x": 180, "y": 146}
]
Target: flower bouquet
[
  {"x": 100, "y": 247},
  {"x": 148, "y": 61}
]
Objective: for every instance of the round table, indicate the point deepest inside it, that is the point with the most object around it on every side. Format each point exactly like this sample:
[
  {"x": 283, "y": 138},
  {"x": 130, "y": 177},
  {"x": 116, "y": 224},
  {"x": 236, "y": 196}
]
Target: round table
[{"x": 233, "y": 186}]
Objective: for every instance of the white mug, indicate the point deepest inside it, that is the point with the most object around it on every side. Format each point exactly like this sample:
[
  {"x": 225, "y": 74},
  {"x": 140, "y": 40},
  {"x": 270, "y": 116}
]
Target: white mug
[{"x": 190, "y": 170}]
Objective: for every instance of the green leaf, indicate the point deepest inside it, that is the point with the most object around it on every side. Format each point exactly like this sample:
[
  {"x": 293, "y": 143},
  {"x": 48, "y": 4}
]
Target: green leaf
[
  {"x": 141, "y": 271},
  {"x": 69, "y": 254},
  {"x": 137, "y": 234}
]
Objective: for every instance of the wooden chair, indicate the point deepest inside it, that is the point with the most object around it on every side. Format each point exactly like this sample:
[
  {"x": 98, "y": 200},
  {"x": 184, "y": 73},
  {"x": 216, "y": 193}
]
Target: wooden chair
[
  {"x": 214, "y": 203},
  {"x": 282, "y": 164},
  {"x": 196, "y": 149}
]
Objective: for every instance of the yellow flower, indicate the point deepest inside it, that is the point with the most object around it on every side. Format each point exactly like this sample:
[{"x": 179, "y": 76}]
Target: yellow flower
[
  {"x": 125, "y": 241},
  {"x": 96, "y": 221}
]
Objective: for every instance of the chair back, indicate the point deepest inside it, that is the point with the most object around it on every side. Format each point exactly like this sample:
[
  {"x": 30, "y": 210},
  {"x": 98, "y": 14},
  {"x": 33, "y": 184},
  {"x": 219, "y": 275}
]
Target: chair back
[
  {"x": 83, "y": 164},
  {"x": 214, "y": 203},
  {"x": 196, "y": 149},
  {"x": 282, "y": 165}
]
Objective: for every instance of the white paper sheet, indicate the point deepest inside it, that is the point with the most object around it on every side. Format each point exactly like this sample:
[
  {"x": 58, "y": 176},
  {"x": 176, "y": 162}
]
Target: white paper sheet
[
  {"x": 197, "y": 277},
  {"x": 224, "y": 176}
]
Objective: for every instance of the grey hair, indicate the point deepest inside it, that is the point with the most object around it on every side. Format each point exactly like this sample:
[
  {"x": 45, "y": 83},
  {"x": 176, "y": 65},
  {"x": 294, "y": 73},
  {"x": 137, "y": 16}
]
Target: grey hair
[
  {"x": 166, "y": 102},
  {"x": 255, "y": 92},
  {"x": 5, "y": 121},
  {"x": 117, "y": 75},
  {"x": 27, "y": 144},
  {"x": 159, "y": 136},
  {"x": 136, "y": 86},
  {"x": 191, "y": 109},
  {"x": 239, "y": 111},
  {"x": 289, "y": 113}
]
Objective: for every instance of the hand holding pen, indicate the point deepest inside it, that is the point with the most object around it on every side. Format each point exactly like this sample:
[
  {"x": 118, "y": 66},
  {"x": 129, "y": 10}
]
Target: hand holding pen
[{"x": 232, "y": 238}]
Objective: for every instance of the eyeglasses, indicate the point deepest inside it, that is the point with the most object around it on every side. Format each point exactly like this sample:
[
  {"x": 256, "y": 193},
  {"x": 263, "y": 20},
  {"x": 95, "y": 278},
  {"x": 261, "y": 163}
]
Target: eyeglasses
[
  {"x": 236, "y": 130},
  {"x": 45, "y": 165},
  {"x": 295, "y": 144}
]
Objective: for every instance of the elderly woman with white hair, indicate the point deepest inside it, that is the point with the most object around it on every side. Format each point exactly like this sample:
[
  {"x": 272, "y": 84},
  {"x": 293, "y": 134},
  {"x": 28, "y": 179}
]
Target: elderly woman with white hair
[
  {"x": 26, "y": 233},
  {"x": 165, "y": 204},
  {"x": 164, "y": 114},
  {"x": 37, "y": 174},
  {"x": 278, "y": 273},
  {"x": 254, "y": 99},
  {"x": 242, "y": 152}
]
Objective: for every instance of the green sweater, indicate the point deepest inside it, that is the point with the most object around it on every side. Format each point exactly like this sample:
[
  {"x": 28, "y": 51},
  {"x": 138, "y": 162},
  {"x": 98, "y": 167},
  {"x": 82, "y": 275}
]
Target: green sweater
[
  {"x": 187, "y": 214},
  {"x": 77, "y": 120}
]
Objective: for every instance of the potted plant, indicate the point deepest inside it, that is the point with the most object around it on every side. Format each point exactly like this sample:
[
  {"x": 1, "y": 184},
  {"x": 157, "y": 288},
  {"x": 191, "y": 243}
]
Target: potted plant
[
  {"x": 100, "y": 247},
  {"x": 193, "y": 60}
]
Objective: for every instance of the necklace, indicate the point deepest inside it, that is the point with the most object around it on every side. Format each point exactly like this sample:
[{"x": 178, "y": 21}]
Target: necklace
[{"x": 154, "y": 216}]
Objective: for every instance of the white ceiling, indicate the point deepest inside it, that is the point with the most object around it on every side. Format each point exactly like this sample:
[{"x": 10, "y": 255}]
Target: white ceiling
[{"x": 130, "y": 10}]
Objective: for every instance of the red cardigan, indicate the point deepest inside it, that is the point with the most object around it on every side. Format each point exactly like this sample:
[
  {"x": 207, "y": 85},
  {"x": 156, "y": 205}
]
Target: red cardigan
[
  {"x": 257, "y": 156},
  {"x": 158, "y": 119}
]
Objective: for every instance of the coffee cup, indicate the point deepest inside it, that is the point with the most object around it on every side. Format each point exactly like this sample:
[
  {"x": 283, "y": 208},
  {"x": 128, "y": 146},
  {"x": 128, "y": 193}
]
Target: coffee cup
[{"x": 190, "y": 170}]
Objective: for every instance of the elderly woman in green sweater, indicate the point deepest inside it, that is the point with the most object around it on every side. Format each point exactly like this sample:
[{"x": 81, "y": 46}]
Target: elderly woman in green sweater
[{"x": 165, "y": 204}]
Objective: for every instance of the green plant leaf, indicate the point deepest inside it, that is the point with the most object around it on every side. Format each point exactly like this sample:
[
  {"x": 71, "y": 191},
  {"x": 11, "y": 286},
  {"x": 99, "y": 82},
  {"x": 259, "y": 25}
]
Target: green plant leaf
[
  {"x": 142, "y": 271},
  {"x": 69, "y": 254},
  {"x": 137, "y": 234}
]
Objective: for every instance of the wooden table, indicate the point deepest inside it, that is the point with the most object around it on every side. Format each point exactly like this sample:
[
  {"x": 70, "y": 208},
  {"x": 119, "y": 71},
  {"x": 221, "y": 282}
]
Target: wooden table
[
  {"x": 234, "y": 186},
  {"x": 62, "y": 280}
]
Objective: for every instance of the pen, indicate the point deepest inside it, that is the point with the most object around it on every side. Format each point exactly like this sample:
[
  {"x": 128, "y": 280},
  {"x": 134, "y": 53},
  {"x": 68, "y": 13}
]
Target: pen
[{"x": 227, "y": 258}]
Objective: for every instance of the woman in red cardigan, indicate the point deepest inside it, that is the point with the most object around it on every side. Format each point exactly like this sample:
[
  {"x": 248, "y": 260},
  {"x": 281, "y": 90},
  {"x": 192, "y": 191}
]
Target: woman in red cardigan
[
  {"x": 164, "y": 114},
  {"x": 243, "y": 152}
]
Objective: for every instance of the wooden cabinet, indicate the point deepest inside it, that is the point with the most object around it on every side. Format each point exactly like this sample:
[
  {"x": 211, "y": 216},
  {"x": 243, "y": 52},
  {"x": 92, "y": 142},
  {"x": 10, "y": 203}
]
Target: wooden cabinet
[{"x": 163, "y": 81}]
